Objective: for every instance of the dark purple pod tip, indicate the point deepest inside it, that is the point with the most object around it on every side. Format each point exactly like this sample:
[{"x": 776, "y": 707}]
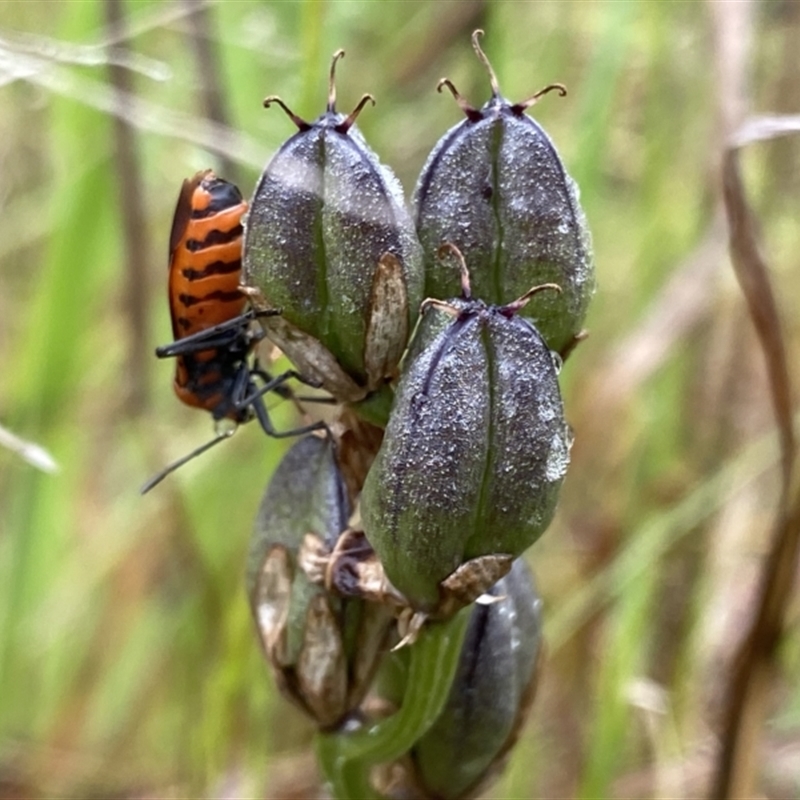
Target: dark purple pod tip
[
  {"x": 476, "y": 114},
  {"x": 340, "y": 127},
  {"x": 509, "y": 310}
]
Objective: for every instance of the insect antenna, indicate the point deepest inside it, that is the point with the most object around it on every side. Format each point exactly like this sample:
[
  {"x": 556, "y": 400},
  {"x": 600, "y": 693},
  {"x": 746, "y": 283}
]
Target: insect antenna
[{"x": 156, "y": 479}]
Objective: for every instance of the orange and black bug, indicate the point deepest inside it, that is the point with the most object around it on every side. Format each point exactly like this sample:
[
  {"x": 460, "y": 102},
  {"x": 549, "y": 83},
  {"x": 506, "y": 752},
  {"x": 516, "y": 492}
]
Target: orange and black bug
[{"x": 210, "y": 319}]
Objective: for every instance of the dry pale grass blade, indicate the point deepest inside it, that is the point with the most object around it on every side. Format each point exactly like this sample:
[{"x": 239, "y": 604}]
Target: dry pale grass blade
[
  {"x": 134, "y": 110},
  {"x": 97, "y": 54},
  {"x": 762, "y": 128},
  {"x": 33, "y": 453},
  {"x": 732, "y": 28},
  {"x": 753, "y": 276},
  {"x": 753, "y": 669},
  {"x": 55, "y": 51}
]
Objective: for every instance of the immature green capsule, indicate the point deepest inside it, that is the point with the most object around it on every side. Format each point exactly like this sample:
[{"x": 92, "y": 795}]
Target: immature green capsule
[
  {"x": 495, "y": 187},
  {"x": 475, "y": 450},
  {"x": 490, "y": 696},
  {"x": 322, "y": 650},
  {"x": 328, "y": 240}
]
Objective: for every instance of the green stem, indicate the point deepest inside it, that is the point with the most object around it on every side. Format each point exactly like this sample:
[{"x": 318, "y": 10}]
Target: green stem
[
  {"x": 375, "y": 407},
  {"x": 347, "y": 758}
]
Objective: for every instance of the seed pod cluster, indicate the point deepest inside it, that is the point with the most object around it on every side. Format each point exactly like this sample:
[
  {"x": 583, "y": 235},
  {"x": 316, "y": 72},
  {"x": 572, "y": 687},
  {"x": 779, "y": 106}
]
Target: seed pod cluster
[{"x": 443, "y": 461}]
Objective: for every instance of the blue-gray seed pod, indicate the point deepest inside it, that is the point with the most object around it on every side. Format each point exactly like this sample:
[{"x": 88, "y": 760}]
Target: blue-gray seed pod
[
  {"x": 494, "y": 185},
  {"x": 322, "y": 650},
  {"x": 475, "y": 450},
  {"x": 324, "y": 216},
  {"x": 491, "y": 693}
]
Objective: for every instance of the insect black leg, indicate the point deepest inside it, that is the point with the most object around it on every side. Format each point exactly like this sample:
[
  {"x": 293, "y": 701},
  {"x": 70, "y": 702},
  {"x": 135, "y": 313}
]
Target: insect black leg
[
  {"x": 254, "y": 399},
  {"x": 286, "y": 392},
  {"x": 283, "y": 391},
  {"x": 262, "y": 415}
]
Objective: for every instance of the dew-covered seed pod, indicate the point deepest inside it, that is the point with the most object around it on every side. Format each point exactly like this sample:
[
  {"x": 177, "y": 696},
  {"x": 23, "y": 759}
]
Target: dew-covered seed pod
[
  {"x": 329, "y": 241},
  {"x": 491, "y": 693},
  {"x": 475, "y": 450},
  {"x": 495, "y": 186},
  {"x": 322, "y": 650}
]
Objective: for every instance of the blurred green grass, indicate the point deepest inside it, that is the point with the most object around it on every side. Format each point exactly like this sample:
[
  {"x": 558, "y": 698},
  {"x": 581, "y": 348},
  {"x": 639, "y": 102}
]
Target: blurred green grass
[{"x": 127, "y": 660}]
